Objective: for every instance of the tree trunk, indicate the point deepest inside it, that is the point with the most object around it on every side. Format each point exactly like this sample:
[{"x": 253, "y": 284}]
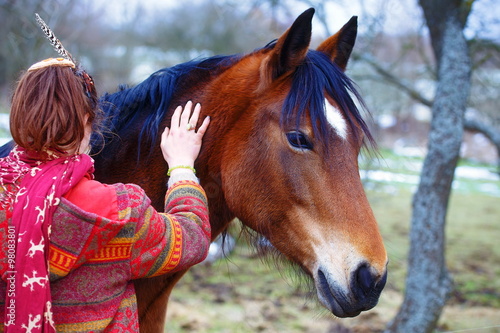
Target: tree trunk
[{"x": 428, "y": 283}]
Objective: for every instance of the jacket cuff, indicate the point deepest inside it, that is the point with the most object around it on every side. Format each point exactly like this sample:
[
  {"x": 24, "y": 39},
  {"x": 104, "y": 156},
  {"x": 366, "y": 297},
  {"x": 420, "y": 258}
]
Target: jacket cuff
[{"x": 185, "y": 175}]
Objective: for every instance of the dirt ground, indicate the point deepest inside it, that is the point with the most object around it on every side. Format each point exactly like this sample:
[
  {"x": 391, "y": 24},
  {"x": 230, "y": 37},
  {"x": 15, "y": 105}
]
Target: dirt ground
[{"x": 250, "y": 315}]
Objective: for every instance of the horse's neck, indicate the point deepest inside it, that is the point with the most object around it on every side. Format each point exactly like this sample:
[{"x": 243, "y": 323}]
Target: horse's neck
[
  {"x": 209, "y": 170},
  {"x": 209, "y": 163}
]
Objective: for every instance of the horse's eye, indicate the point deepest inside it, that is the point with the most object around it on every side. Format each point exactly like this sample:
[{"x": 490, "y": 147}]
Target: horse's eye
[{"x": 299, "y": 140}]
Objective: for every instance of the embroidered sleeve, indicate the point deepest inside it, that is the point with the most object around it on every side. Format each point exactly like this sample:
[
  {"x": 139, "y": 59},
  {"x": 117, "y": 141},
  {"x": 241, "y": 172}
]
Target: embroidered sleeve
[{"x": 174, "y": 240}]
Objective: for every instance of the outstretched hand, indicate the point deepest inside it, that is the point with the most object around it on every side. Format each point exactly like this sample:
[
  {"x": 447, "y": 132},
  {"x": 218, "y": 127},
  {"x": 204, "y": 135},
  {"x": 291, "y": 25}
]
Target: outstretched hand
[{"x": 181, "y": 143}]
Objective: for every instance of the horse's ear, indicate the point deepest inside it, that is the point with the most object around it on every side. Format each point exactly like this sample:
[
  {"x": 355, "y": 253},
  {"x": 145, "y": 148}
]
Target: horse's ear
[
  {"x": 340, "y": 45},
  {"x": 291, "y": 48}
]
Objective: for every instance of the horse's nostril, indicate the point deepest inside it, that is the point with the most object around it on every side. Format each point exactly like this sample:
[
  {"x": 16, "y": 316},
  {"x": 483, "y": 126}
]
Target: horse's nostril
[
  {"x": 381, "y": 283},
  {"x": 365, "y": 279}
]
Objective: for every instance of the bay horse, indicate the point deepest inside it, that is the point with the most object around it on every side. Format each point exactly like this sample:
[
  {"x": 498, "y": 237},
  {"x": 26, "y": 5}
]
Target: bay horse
[{"x": 280, "y": 154}]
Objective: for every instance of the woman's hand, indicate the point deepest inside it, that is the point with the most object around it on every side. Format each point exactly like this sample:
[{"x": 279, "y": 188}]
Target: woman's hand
[{"x": 181, "y": 143}]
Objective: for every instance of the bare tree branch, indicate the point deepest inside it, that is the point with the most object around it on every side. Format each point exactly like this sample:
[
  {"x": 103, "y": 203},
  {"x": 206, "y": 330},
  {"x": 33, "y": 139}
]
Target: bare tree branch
[
  {"x": 393, "y": 79},
  {"x": 490, "y": 131}
]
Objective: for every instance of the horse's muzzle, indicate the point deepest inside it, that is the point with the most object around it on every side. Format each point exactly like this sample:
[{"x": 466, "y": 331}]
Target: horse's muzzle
[{"x": 363, "y": 292}]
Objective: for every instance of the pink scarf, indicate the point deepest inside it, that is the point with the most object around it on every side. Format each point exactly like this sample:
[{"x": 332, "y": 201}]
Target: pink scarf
[{"x": 28, "y": 301}]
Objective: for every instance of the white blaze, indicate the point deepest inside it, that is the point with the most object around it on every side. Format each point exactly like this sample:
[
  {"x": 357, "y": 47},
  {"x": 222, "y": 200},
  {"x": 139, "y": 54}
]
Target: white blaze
[{"x": 336, "y": 119}]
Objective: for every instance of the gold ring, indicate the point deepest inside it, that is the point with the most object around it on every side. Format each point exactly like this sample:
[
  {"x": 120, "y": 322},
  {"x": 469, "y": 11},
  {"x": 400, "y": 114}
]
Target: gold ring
[{"x": 189, "y": 127}]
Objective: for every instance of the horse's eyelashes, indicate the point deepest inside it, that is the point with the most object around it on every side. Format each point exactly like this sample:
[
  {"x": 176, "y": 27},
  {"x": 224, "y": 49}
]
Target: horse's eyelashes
[{"x": 299, "y": 140}]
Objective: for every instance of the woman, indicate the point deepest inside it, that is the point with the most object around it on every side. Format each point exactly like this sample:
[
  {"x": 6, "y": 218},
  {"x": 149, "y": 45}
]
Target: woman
[{"x": 72, "y": 245}]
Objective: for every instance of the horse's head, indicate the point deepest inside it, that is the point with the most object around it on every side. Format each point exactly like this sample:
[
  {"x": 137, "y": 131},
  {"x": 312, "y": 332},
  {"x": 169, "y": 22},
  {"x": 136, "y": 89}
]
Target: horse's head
[{"x": 289, "y": 163}]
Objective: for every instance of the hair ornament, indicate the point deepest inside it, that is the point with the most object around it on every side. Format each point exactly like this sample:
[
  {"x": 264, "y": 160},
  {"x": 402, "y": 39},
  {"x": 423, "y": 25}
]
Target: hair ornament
[
  {"x": 62, "y": 62},
  {"x": 56, "y": 43},
  {"x": 67, "y": 59}
]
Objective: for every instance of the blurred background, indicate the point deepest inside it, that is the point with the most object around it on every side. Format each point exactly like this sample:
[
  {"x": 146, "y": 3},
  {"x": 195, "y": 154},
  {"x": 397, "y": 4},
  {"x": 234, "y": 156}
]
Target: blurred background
[{"x": 122, "y": 42}]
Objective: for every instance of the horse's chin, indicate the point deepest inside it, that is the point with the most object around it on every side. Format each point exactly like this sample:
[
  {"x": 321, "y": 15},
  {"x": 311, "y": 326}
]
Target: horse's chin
[
  {"x": 340, "y": 302},
  {"x": 343, "y": 302},
  {"x": 333, "y": 298}
]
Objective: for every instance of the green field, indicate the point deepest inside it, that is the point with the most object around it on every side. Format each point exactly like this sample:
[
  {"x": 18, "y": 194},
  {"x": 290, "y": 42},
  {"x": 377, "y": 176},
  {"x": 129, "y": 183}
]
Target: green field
[{"x": 243, "y": 294}]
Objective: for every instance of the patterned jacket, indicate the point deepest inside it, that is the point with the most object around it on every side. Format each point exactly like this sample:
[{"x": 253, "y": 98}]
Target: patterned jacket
[{"x": 103, "y": 237}]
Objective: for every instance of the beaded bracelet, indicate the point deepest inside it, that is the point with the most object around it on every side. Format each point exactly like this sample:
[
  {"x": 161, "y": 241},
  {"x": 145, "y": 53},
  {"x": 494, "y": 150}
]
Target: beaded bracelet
[{"x": 181, "y": 167}]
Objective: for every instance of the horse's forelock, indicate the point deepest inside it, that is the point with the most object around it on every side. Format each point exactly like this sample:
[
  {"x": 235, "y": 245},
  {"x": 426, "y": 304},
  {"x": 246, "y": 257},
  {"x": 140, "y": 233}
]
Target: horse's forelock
[{"x": 316, "y": 76}]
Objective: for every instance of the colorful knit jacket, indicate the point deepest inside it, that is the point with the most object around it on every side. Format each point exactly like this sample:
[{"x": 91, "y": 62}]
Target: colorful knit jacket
[{"x": 103, "y": 237}]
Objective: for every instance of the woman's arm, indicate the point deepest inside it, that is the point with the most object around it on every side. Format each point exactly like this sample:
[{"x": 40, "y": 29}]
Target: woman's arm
[
  {"x": 180, "y": 237},
  {"x": 174, "y": 240}
]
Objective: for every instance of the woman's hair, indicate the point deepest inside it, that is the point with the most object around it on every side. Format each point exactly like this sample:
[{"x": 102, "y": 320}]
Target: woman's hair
[{"x": 50, "y": 106}]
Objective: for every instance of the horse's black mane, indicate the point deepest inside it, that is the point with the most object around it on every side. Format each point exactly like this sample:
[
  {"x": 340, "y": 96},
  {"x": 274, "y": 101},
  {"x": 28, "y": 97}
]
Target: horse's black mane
[
  {"x": 151, "y": 98},
  {"x": 316, "y": 76}
]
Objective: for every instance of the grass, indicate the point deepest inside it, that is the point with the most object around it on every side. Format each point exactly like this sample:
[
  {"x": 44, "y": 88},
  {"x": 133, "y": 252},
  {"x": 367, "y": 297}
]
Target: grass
[
  {"x": 241, "y": 294},
  {"x": 473, "y": 250},
  {"x": 473, "y": 254}
]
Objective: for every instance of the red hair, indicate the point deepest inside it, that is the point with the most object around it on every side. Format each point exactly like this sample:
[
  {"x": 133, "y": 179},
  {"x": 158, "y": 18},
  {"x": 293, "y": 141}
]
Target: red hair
[{"x": 49, "y": 109}]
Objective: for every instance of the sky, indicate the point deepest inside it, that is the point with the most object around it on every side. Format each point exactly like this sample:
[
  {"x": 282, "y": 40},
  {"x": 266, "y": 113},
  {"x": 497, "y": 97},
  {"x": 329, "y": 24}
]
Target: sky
[
  {"x": 339, "y": 11},
  {"x": 392, "y": 16}
]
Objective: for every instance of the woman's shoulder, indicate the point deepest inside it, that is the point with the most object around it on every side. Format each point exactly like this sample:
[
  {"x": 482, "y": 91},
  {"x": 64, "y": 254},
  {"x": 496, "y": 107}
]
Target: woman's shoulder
[
  {"x": 95, "y": 197},
  {"x": 107, "y": 200}
]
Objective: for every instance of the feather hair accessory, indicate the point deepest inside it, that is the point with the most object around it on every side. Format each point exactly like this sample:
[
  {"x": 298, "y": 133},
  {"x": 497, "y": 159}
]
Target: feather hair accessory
[
  {"x": 67, "y": 60},
  {"x": 56, "y": 43}
]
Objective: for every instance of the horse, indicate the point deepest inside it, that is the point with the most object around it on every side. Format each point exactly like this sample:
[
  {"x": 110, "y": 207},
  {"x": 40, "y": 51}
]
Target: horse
[{"x": 280, "y": 154}]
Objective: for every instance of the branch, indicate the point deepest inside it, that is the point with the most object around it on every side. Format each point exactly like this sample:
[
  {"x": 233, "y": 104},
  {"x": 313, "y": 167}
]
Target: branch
[
  {"x": 491, "y": 132},
  {"x": 394, "y": 80}
]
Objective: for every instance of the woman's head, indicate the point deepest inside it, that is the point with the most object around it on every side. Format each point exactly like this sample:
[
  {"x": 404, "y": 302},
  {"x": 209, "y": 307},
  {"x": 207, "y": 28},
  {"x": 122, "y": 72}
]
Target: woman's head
[{"x": 51, "y": 106}]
